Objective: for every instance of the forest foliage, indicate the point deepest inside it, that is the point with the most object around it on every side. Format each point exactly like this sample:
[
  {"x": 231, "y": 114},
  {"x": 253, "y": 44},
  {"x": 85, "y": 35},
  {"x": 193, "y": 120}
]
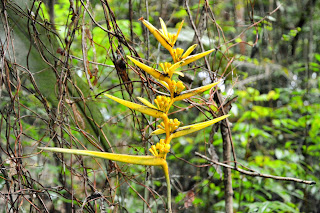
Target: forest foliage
[{"x": 59, "y": 57}]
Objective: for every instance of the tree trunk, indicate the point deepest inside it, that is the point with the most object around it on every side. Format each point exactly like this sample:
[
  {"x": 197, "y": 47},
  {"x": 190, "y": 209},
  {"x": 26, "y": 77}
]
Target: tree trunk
[
  {"x": 226, "y": 156},
  {"x": 227, "y": 171}
]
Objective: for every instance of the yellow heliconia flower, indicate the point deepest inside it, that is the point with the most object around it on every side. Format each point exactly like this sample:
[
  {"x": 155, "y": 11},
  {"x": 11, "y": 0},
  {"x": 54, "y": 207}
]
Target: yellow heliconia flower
[
  {"x": 175, "y": 88},
  {"x": 163, "y": 103},
  {"x": 154, "y": 151},
  {"x": 196, "y": 127},
  {"x": 178, "y": 87},
  {"x": 166, "y": 39},
  {"x": 173, "y": 126},
  {"x": 192, "y": 92},
  {"x": 167, "y": 69},
  {"x": 189, "y": 59},
  {"x": 161, "y": 106},
  {"x": 154, "y": 112},
  {"x": 172, "y": 38},
  {"x": 177, "y": 53},
  {"x": 160, "y": 149},
  {"x": 163, "y": 147},
  {"x": 154, "y": 72}
]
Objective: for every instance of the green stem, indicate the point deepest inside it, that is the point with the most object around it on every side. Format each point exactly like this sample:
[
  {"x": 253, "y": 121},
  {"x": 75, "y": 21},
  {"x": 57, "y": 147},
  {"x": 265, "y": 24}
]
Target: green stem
[{"x": 166, "y": 173}]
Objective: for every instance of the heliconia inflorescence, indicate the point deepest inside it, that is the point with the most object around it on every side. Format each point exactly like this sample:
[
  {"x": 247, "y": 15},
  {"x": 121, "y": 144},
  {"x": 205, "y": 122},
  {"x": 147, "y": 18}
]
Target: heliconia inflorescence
[{"x": 170, "y": 127}]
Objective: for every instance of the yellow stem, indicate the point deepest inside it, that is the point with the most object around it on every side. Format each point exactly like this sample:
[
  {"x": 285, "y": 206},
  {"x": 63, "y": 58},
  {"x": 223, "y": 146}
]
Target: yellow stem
[
  {"x": 168, "y": 139},
  {"x": 166, "y": 126},
  {"x": 172, "y": 54},
  {"x": 170, "y": 104}
]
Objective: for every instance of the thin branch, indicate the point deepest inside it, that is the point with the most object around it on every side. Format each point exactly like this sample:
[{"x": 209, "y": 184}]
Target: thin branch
[
  {"x": 92, "y": 62},
  {"x": 255, "y": 173},
  {"x": 84, "y": 52}
]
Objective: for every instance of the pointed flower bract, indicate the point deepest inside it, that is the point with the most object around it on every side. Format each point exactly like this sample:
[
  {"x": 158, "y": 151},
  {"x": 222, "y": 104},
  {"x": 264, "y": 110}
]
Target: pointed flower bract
[{"x": 140, "y": 108}]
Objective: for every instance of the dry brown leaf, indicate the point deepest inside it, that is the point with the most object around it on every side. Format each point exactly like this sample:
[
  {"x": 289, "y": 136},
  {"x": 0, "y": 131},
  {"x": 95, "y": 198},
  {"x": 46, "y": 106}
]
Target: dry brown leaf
[{"x": 189, "y": 198}]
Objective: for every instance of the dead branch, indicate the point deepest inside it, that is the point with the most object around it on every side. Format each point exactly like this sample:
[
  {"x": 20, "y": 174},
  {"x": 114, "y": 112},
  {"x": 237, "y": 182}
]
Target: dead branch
[{"x": 255, "y": 173}]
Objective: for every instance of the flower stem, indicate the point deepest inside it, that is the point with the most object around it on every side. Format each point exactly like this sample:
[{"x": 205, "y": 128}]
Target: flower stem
[{"x": 166, "y": 173}]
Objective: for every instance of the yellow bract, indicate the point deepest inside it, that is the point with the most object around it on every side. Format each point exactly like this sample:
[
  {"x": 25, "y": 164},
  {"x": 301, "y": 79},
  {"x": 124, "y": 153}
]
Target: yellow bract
[
  {"x": 178, "y": 53},
  {"x": 161, "y": 37},
  {"x": 155, "y": 73},
  {"x": 143, "y": 109},
  {"x": 196, "y": 127},
  {"x": 193, "y": 92},
  {"x": 171, "y": 38},
  {"x": 169, "y": 70},
  {"x": 132, "y": 159},
  {"x": 190, "y": 59},
  {"x": 146, "y": 102}
]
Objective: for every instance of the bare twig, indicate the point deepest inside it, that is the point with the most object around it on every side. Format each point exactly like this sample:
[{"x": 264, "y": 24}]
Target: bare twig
[
  {"x": 92, "y": 62},
  {"x": 84, "y": 52},
  {"x": 255, "y": 173}
]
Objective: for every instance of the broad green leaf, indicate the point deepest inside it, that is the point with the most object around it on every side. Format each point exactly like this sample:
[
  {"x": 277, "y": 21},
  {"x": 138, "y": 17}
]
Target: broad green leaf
[{"x": 317, "y": 56}]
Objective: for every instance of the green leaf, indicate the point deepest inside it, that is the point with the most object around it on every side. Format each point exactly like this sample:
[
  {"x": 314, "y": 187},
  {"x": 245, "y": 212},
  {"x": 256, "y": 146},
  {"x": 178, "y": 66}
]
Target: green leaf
[{"x": 317, "y": 56}]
